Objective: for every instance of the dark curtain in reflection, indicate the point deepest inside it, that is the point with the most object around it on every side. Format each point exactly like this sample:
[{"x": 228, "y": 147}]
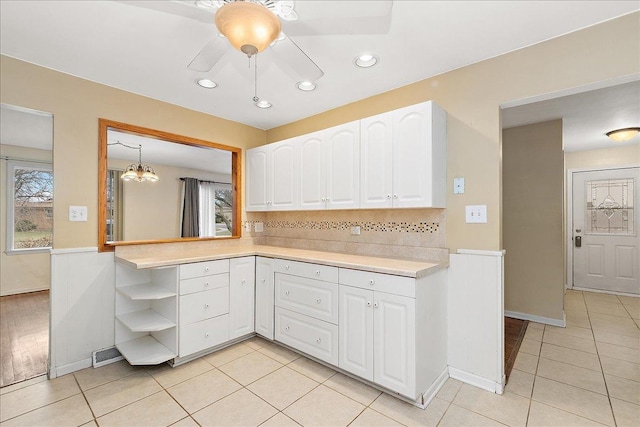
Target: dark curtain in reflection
[{"x": 191, "y": 208}]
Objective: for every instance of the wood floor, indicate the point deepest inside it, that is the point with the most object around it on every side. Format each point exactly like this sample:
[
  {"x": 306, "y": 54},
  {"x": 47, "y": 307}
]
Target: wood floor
[
  {"x": 514, "y": 330},
  {"x": 24, "y": 336}
]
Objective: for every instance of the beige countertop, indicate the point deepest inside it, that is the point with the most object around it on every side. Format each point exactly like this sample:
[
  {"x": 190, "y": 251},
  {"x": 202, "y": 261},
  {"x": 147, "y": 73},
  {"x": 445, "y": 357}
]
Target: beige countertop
[{"x": 399, "y": 267}]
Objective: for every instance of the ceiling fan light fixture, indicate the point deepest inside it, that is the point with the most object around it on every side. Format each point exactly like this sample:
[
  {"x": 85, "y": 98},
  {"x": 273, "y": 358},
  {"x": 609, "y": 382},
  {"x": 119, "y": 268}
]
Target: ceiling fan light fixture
[
  {"x": 248, "y": 26},
  {"x": 306, "y": 86},
  {"x": 263, "y": 103},
  {"x": 365, "y": 60},
  {"x": 625, "y": 134},
  {"x": 206, "y": 83}
]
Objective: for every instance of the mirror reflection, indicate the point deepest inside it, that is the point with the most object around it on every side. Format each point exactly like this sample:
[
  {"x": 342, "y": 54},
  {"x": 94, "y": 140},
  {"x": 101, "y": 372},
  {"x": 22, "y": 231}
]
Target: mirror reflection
[{"x": 157, "y": 189}]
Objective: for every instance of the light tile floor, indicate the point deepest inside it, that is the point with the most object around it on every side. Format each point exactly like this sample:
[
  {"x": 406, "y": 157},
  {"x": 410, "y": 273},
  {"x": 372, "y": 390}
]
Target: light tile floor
[{"x": 585, "y": 374}]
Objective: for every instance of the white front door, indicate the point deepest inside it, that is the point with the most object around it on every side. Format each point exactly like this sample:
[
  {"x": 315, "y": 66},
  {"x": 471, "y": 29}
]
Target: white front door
[{"x": 606, "y": 240}]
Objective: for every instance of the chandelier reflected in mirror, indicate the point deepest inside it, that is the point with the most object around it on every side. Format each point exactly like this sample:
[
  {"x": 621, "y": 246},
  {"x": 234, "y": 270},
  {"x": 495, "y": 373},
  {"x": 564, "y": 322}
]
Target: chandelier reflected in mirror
[{"x": 138, "y": 172}]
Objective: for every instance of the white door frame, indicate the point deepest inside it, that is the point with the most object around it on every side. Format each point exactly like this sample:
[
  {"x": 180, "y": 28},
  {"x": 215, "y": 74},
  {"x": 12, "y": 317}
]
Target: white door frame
[{"x": 569, "y": 216}]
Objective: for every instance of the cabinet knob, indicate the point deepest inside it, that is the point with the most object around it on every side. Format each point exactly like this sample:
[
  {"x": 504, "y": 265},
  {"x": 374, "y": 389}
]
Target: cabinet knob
[
  {"x": 243, "y": 281},
  {"x": 286, "y": 328},
  {"x": 388, "y": 196},
  {"x": 318, "y": 340},
  {"x": 263, "y": 280},
  {"x": 206, "y": 306},
  {"x": 372, "y": 282},
  {"x": 206, "y": 334},
  {"x": 206, "y": 269},
  {"x": 206, "y": 284},
  {"x": 368, "y": 303},
  {"x": 286, "y": 267},
  {"x": 317, "y": 272},
  {"x": 375, "y": 305},
  {"x": 395, "y": 196},
  {"x": 286, "y": 292},
  {"x": 318, "y": 301}
]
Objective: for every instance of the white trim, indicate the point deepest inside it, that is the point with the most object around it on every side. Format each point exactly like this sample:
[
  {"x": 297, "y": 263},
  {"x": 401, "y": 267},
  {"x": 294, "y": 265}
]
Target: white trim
[
  {"x": 59, "y": 371},
  {"x": 481, "y": 252},
  {"x": 475, "y": 380},
  {"x": 573, "y": 91},
  {"x": 569, "y": 210},
  {"x": 602, "y": 291},
  {"x": 73, "y": 250},
  {"x": 23, "y": 291},
  {"x": 433, "y": 390},
  {"x": 539, "y": 319}
]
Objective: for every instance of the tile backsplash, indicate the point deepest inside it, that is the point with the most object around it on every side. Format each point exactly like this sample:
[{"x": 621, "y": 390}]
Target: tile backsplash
[{"x": 410, "y": 233}]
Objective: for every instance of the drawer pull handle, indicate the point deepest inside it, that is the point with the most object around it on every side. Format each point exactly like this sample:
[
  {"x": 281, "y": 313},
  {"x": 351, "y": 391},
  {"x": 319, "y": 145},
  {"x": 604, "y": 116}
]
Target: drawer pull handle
[
  {"x": 206, "y": 284},
  {"x": 318, "y": 340},
  {"x": 395, "y": 196},
  {"x": 286, "y": 292},
  {"x": 206, "y": 269},
  {"x": 372, "y": 282},
  {"x": 286, "y": 267},
  {"x": 206, "y": 334},
  {"x": 286, "y": 328},
  {"x": 318, "y": 301},
  {"x": 375, "y": 305},
  {"x": 206, "y": 306},
  {"x": 317, "y": 272},
  {"x": 388, "y": 196},
  {"x": 368, "y": 303}
]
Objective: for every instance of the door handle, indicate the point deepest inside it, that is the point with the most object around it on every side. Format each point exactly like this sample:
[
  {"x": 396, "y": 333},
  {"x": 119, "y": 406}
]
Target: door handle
[{"x": 578, "y": 240}]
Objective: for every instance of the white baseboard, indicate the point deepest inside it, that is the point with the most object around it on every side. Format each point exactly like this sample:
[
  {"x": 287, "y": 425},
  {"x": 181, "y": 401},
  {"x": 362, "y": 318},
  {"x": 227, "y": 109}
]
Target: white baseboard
[
  {"x": 540, "y": 319},
  {"x": 600, "y": 291},
  {"x": 23, "y": 291},
  {"x": 433, "y": 390},
  {"x": 58, "y": 371},
  {"x": 475, "y": 380}
]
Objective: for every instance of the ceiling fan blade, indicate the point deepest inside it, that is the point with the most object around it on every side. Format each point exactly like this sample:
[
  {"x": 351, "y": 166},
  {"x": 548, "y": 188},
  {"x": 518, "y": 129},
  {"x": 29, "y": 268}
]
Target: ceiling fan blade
[
  {"x": 291, "y": 54},
  {"x": 209, "y": 55},
  {"x": 339, "y": 18}
]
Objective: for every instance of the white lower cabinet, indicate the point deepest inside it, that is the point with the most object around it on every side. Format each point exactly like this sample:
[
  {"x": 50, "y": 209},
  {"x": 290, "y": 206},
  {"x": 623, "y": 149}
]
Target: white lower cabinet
[
  {"x": 264, "y": 297},
  {"x": 312, "y": 336},
  {"x": 241, "y": 296}
]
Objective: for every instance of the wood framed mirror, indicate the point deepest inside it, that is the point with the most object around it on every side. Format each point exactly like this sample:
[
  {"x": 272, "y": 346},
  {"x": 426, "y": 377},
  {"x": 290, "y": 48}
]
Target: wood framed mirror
[{"x": 159, "y": 187}]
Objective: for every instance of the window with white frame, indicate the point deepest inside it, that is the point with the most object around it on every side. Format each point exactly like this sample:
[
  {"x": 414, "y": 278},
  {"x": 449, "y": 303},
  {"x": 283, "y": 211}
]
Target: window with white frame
[
  {"x": 216, "y": 206},
  {"x": 29, "y": 206}
]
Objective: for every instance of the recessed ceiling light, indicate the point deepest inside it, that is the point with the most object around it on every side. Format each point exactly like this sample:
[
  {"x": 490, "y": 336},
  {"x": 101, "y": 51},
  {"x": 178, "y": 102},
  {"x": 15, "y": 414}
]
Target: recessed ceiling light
[
  {"x": 263, "y": 103},
  {"x": 206, "y": 83},
  {"x": 306, "y": 86},
  {"x": 365, "y": 60}
]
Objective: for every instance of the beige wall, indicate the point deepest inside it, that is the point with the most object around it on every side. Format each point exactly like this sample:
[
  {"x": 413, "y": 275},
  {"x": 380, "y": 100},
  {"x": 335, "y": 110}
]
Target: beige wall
[
  {"x": 76, "y": 105},
  {"x": 617, "y": 156},
  {"x": 20, "y": 273},
  {"x": 472, "y": 96},
  {"x": 532, "y": 221}
]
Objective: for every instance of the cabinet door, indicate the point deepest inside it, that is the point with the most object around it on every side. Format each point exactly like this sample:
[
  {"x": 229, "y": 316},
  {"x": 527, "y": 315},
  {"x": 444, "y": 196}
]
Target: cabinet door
[
  {"x": 241, "y": 296},
  {"x": 412, "y": 157},
  {"x": 257, "y": 179},
  {"x": 355, "y": 348},
  {"x": 376, "y": 161},
  {"x": 342, "y": 148},
  {"x": 313, "y": 174},
  {"x": 394, "y": 343},
  {"x": 284, "y": 177},
  {"x": 264, "y": 297}
]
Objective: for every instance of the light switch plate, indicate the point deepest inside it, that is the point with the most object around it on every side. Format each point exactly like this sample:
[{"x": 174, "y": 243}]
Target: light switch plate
[
  {"x": 77, "y": 213},
  {"x": 476, "y": 214},
  {"x": 458, "y": 185},
  {"x": 258, "y": 227}
]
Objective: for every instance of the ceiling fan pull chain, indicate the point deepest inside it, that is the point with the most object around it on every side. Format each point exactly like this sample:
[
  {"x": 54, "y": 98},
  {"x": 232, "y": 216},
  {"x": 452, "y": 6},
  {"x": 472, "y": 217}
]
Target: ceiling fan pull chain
[{"x": 255, "y": 66}]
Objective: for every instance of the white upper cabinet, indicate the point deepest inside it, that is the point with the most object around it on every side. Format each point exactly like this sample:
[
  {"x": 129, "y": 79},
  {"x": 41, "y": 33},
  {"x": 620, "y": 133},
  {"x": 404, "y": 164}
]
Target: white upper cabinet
[
  {"x": 376, "y": 161},
  {"x": 419, "y": 156},
  {"x": 272, "y": 178},
  {"x": 330, "y": 168},
  {"x": 404, "y": 158}
]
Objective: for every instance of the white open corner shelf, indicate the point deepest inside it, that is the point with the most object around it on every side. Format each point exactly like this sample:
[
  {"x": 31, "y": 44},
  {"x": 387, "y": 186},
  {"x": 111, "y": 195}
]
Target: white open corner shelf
[
  {"x": 145, "y": 351},
  {"x": 146, "y": 291},
  {"x": 145, "y": 321}
]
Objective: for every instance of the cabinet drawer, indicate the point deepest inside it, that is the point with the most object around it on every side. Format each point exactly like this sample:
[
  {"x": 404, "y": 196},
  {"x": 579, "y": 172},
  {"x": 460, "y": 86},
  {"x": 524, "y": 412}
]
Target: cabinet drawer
[
  {"x": 203, "y": 283},
  {"x": 310, "y": 297},
  {"x": 203, "y": 305},
  {"x": 202, "y": 335},
  {"x": 312, "y": 336},
  {"x": 205, "y": 268},
  {"x": 305, "y": 269},
  {"x": 397, "y": 285}
]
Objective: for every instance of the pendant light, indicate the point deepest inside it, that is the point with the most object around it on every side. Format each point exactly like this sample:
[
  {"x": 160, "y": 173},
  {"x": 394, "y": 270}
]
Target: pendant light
[{"x": 138, "y": 172}]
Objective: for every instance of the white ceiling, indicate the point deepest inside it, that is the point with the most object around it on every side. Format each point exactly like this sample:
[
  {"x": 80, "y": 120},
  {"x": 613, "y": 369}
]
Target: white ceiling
[{"x": 146, "y": 50}]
